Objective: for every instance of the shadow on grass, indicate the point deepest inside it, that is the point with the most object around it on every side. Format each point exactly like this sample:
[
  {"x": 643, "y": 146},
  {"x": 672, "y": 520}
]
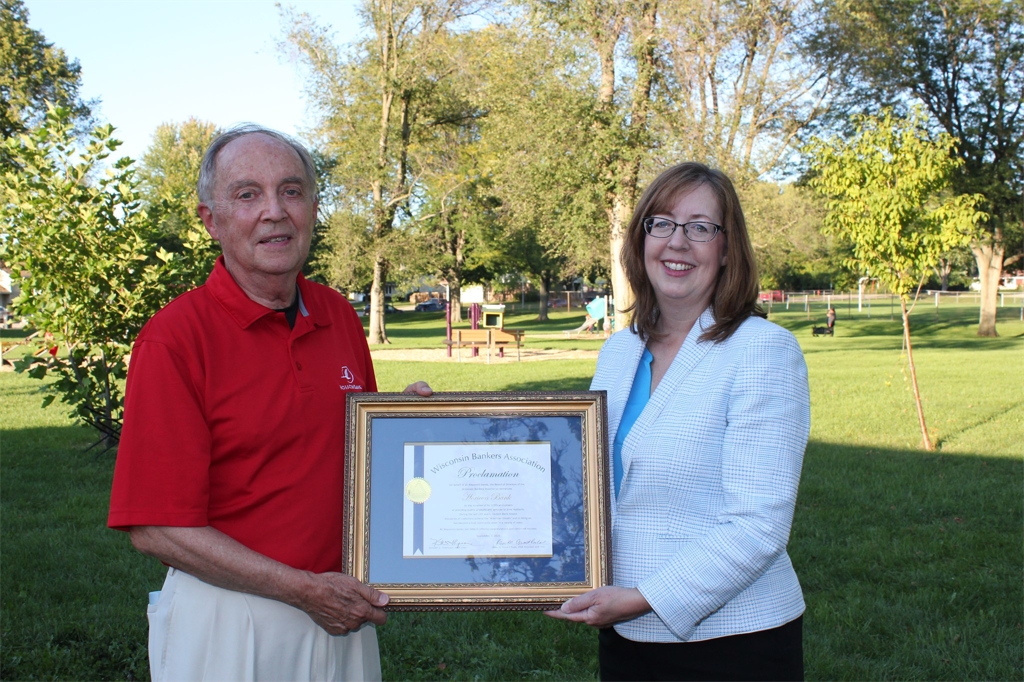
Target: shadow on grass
[
  {"x": 412, "y": 325},
  {"x": 845, "y": 341},
  {"x": 73, "y": 593},
  {"x": 15, "y": 334},
  {"x": 910, "y": 564},
  {"x": 953, "y": 330}
]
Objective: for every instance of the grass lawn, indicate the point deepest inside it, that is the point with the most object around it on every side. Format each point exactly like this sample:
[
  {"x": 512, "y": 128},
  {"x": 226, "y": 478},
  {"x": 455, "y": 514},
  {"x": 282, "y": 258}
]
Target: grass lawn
[{"x": 910, "y": 562}]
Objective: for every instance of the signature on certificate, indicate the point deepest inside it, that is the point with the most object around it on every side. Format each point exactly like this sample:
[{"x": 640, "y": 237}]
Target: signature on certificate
[
  {"x": 520, "y": 542},
  {"x": 453, "y": 543}
]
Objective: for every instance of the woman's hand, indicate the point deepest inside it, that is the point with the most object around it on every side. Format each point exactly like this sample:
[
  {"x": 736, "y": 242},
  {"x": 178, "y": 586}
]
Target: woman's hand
[
  {"x": 420, "y": 388},
  {"x": 603, "y": 607}
]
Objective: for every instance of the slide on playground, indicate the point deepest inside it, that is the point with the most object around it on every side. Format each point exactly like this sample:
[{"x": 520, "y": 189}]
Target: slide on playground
[{"x": 596, "y": 310}]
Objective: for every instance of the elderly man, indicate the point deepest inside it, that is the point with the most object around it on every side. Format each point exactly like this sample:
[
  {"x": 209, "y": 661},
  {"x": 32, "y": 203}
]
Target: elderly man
[{"x": 230, "y": 468}]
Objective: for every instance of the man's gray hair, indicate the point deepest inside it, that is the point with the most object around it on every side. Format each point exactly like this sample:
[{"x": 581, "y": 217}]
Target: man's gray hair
[{"x": 208, "y": 169}]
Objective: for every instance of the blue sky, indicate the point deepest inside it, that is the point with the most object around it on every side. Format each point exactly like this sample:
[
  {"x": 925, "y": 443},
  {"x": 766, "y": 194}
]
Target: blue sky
[{"x": 151, "y": 62}]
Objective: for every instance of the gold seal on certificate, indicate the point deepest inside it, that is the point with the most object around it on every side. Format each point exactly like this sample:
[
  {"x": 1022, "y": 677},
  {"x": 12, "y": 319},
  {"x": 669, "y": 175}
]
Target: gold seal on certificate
[{"x": 418, "y": 490}]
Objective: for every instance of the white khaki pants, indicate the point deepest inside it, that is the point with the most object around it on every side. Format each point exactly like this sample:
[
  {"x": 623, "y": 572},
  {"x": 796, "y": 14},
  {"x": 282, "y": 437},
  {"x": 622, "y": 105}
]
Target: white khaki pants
[{"x": 201, "y": 632}]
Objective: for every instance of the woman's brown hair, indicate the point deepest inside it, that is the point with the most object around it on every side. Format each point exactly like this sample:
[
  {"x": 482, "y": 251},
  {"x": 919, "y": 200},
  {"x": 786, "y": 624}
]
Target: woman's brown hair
[{"x": 736, "y": 289}]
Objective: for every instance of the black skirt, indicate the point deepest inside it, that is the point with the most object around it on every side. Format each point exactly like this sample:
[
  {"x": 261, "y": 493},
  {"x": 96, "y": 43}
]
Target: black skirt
[{"x": 775, "y": 654}]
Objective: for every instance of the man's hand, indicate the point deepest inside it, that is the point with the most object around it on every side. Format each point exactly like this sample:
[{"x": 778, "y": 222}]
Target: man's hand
[
  {"x": 339, "y": 603},
  {"x": 603, "y": 607},
  {"x": 420, "y": 388}
]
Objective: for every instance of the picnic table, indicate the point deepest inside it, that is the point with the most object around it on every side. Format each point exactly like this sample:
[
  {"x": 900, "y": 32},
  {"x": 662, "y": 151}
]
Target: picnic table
[{"x": 489, "y": 338}]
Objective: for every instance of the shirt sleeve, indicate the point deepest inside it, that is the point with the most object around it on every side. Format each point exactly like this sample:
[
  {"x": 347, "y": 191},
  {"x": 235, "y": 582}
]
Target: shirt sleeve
[
  {"x": 161, "y": 477},
  {"x": 767, "y": 428}
]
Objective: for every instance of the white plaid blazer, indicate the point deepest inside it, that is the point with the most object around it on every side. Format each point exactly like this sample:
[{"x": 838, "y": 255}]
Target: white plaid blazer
[{"x": 711, "y": 469}]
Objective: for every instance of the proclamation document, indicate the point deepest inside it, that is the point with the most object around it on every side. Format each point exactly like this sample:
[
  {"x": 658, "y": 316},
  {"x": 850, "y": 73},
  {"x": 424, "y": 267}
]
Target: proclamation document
[{"x": 477, "y": 500}]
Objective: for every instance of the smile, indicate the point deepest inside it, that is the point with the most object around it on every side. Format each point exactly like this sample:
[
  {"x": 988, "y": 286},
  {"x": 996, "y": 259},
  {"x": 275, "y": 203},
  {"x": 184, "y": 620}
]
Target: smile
[
  {"x": 275, "y": 240},
  {"x": 678, "y": 267}
]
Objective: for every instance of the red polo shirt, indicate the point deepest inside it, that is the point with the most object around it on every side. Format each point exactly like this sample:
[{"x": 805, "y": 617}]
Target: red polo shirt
[{"x": 235, "y": 421}]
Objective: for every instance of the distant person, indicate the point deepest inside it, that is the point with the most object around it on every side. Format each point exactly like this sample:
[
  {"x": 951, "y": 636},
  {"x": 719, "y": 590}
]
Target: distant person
[
  {"x": 830, "y": 319},
  {"x": 230, "y": 467},
  {"x": 709, "y": 413}
]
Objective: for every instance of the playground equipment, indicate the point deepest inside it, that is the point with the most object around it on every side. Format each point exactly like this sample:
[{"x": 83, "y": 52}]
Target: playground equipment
[
  {"x": 494, "y": 315},
  {"x": 597, "y": 310}
]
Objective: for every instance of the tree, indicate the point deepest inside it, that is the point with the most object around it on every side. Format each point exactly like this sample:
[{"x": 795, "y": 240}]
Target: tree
[
  {"x": 958, "y": 259},
  {"x": 963, "y": 61},
  {"x": 784, "y": 222},
  {"x": 376, "y": 103},
  {"x": 91, "y": 273},
  {"x": 168, "y": 173},
  {"x": 621, "y": 125},
  {"x": 719, "y": 81},
  {"x": 453, "y": 236},
  {"x": 537, "y": 149},
  {"x": 739, "y": 92},
  {"x": 452, "y": 215},
  {"x": 32, "y": 73},
  {"x": 887, "y": 191}
]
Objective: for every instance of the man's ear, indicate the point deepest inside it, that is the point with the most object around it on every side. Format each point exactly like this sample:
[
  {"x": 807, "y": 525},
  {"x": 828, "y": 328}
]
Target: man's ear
[{"x": 206, "y": 215}]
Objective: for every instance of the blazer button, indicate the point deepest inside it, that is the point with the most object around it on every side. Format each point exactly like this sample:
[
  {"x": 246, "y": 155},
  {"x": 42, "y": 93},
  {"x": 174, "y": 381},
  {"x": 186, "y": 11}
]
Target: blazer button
[{"x": 298, "y": 365}]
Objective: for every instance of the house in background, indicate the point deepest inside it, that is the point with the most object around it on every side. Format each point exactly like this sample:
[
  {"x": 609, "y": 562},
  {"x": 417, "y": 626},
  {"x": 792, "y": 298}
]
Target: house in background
[
  {"x": 8, "y": 290},
  {"x": 1010, "y": 281}
]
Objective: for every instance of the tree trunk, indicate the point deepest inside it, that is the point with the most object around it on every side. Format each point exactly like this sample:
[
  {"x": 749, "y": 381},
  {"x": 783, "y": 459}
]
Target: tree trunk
[
  {"x": 622, "y": 166},
  {"x": 544, "y": 285},
  {"x": 455, "y": 302},
  {"x": 989, "y": 257},
  {"x": 109, "y": 439},
  {"x": 944, "y": 267},
  {"x": 455, "y": 277},
  {"x": 378, "y": 334},
  {"x": 621, "y": 291},
  {"x": 925, "y": 439},
  {"x": 634, "y": 148}
]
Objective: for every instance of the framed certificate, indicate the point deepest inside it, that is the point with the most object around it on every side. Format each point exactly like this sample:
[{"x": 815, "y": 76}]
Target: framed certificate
[{"x": 470, "y": 501}]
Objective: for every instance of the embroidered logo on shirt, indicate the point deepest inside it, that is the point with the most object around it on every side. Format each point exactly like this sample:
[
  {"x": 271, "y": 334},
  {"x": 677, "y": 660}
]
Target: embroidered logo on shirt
[{"x": 349, "y": 378}]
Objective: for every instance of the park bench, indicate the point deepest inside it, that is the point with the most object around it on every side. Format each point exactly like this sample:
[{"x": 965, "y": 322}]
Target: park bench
[{"x": 486, "y": 338}]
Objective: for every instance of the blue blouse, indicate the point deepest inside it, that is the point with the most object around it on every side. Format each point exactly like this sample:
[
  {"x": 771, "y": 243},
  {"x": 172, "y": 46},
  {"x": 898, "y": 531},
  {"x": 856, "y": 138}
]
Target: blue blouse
[{"x": 639, "y": 394}]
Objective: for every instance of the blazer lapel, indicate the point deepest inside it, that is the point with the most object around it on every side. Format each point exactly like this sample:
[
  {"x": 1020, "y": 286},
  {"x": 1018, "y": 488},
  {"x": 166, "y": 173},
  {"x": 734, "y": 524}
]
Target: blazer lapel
[
  {"x": 624, "y": 382},
  {"x": 617, "y": 397},
  {"x": 690, "y": 353}
]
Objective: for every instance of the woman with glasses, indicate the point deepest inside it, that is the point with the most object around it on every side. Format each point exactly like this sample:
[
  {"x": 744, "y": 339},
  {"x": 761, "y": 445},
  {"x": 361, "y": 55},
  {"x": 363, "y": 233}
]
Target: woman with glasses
[{"x": 709, "y": 414}]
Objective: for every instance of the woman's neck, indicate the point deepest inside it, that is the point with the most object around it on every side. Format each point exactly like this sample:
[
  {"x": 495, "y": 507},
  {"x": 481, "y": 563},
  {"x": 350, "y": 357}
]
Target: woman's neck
[{"x": 676, "y": 322}]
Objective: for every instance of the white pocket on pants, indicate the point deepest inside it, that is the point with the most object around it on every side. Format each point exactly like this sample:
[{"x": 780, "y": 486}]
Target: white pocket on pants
[{"x": 159, "y": 615}]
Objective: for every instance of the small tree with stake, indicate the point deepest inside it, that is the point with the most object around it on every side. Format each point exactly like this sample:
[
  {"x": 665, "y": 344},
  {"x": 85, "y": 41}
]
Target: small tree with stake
[
  {"x": 887, "y": 193},
  {"x": 91, "y": 273}
]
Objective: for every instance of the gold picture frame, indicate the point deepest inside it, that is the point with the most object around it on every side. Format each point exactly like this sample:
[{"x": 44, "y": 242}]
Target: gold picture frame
[{"x": 477, "y": 501}]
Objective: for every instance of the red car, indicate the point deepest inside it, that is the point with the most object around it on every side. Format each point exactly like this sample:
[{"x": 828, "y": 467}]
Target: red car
[{"x": 773, "y": 295}]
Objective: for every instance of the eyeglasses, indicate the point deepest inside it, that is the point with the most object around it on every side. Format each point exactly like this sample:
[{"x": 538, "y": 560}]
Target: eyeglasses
[{"x": 696, "y": 231}]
